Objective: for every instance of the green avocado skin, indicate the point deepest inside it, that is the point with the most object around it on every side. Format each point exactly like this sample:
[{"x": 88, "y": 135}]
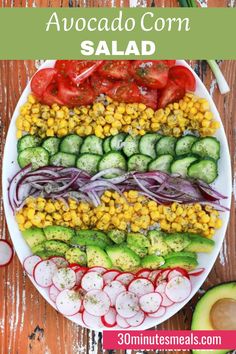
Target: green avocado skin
[{"x": 203, "y": 307}]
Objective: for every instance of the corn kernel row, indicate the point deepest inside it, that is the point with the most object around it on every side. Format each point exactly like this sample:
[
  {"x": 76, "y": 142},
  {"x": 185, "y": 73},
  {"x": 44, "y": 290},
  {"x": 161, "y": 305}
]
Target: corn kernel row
[
  {"x": 134, "y": 212},
  {"x": 111, "y": 117}
]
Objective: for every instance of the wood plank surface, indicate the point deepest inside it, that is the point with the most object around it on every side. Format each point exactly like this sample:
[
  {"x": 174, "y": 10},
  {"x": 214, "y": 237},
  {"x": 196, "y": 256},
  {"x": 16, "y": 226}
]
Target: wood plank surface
[{"x": 27, "y": 323}]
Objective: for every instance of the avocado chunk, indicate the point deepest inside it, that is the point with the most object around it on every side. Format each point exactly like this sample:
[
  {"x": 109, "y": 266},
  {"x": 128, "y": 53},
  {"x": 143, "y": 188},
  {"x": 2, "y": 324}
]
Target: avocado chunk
[
  {"x": 117, "y": 236},
  {"x": 75, "y": 255},
  {"x": 181, "y": 254},
  {"x": 138, "y": 243},
  {"x": 140, "y": 251},
  {"x": 215, "y": 311},
  {"x": 38, "y": 248},
  {"x": 57, "y": 246},
  {"x": 60, "y": 233},
  {"x": 96, "y": 256},
  {"x": 188, "y": 263},
  {"x": 33, "y": 236},
  {"x": 199, "y": 244},
  {"x": 152, "y": 261},
  {"x": 123, "y": 257},
  {"x": 177, "y": 241},
  {"x": 158, "y": 246},
  {"x": 91, "y": 238},
  {"x": 137, "y": 239}
]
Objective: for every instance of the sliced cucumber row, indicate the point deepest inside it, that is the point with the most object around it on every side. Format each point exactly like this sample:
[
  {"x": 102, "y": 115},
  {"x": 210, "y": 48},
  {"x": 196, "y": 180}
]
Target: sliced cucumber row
[{"x": 187, "y": 156}]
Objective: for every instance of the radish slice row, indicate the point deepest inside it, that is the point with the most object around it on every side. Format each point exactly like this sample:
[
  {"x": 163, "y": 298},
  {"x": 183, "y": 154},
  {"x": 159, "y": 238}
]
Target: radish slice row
[
  {"x": 6, "y": 253},
  {"x": 108, "y": 298}
]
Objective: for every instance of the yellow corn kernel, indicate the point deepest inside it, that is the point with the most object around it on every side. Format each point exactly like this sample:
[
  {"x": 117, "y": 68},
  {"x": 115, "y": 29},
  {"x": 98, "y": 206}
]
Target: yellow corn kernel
[
  {"x": 50, "y": 208},
  {"x": 155, "y": 215},
  {"x": 20, "y": 218},
  {"x": 218, "y": 224},
  {"x": 205, "y": 218},
  {"x": 28, "y": 225},
  {"x": 179, "y": 211},
  {"x": 30, "y": 213},
  {"x": 114, "y": 131}
]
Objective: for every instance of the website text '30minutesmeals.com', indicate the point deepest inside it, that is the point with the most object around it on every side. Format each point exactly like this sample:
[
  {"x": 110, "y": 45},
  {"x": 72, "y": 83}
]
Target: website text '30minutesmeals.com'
[{"x": 162, "y": 340}]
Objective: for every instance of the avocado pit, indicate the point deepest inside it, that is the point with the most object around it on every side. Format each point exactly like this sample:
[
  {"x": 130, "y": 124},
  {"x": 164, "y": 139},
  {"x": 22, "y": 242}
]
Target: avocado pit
[{"x": 223, "y": 314}]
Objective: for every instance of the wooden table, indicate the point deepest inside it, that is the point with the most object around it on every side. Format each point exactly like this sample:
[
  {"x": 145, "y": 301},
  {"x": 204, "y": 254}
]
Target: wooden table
[{"x": 27, "y": 323}]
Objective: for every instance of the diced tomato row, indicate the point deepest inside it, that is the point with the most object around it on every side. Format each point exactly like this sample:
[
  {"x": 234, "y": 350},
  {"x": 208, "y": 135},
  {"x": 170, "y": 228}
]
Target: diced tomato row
[{"x": 78, "y": 82}]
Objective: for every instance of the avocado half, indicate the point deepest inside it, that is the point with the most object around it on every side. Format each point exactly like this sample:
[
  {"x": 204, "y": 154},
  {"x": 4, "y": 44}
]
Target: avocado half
[{"x": 214, "y": 311}]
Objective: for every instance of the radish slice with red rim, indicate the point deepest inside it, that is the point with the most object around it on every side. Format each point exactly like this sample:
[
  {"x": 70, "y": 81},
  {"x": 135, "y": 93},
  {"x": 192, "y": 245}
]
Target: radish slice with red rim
[
  {"x": 143, "y": 273},
  {"x": 109, "y": 320},
  {"x": 79, "y": 275},
  {"x": 68, "y": 302},
  {"x": 151, "y": 302},
  {"x": 6, "y": 253},
  {"x": 153, "y": 274},
  {"x": 137, "y": 319},
  {"x": 125, "y": 278},
  {"x": 161, "y": 287},
  {"x": 175, "y": 272},
  {"x": 127, "y": 304},
  {"x": 92, "y": 280},
  {"x": 178, "y": 289},
  {"x": 30, "y": 262},
  {"x": 91, "y": 321},
  {"x": 97, "y": 302},
  {"x": 53, "y": 293},
  {"x": 196, "y": 272},
  {"x": 64, "y": 278},
  {"x": 99, "y": 270},
  {"x": 43, "y": 273},
  {"x": 141, "y": 286},
  {"x": 162, "y": 276},
  {"x": 159, "y": 313},
  {"x": 113, "y": 289},
  {"x": 122, "y": 322},
  {"x": 60, "y": 262},
  {"x": 110, "y": 275}
]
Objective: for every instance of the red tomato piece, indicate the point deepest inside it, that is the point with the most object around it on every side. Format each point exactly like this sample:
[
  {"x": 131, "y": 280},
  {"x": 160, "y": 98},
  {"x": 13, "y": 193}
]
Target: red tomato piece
[
  {"x": 41, "y": 80},
  {"x": 170, "y": 63},
  {"x": 62, "y": 66},
  {"x": 183, "y": 77},
  {"x": 170, "y": 93},
  {"x": 73, "y": 95},
  {"x": 100, "y": 84},
  {"x": 125, "y": 92},
  {"x": 50, "y": 95},
  {"x": 79, "y": 70},
  {"x": 148, "y": 97},
  {"x": 115, "y": 69},
  {"x": 150, "y": 73}
]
